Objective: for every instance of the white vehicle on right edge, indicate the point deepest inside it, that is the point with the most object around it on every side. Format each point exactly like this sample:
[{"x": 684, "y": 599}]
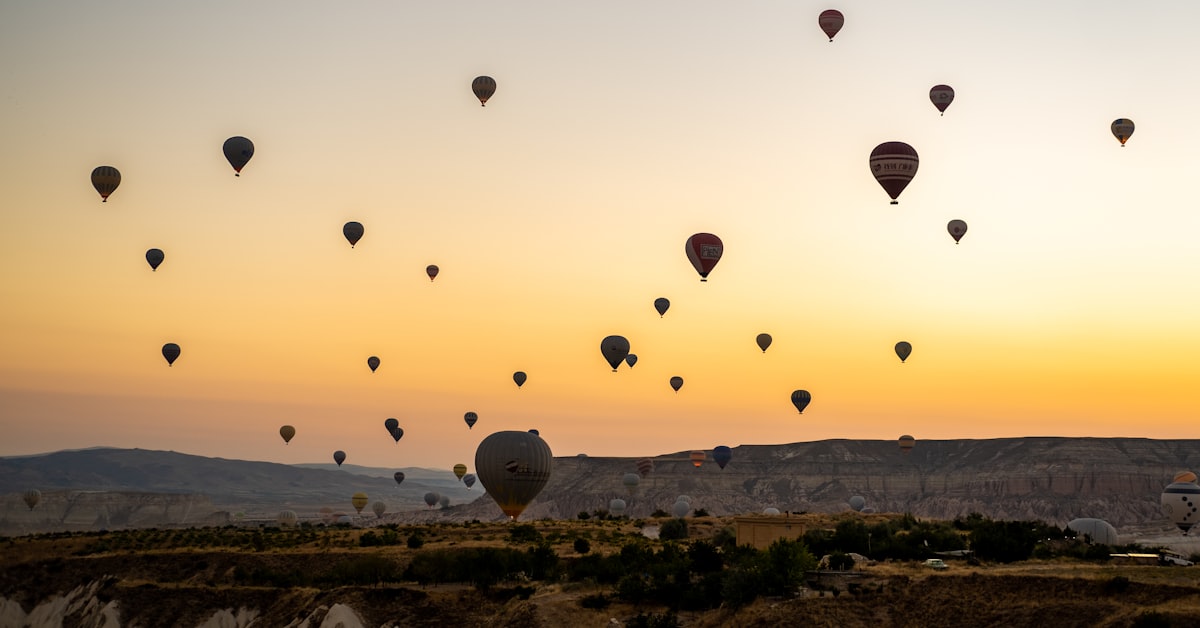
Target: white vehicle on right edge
[{"x": 1167, "y": 557}]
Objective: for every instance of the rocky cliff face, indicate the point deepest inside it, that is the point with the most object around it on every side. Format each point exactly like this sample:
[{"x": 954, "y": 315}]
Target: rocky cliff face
[{"x": 60, "y": 511}]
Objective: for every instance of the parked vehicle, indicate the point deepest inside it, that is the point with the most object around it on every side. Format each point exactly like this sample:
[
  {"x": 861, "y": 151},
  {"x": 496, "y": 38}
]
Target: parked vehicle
[{"x": 935, "y": 563}]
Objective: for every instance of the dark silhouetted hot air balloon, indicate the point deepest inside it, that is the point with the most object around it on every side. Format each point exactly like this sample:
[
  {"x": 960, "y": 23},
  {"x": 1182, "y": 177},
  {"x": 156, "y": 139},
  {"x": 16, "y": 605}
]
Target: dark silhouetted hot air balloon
[
  {"x": 763, "y": 341},
  {"x": 722, "y": 455},
  {"x": 676, "y": 383},
  {"x": 645, "y": 466},
  {"x": 105, "y": 179},
  {"x": 470, "y": 418},
  {"x": 353, "y": 232},
  {"x": 431, "y": 499},
  {"x": 339, "y": 457},
  {"x": 631, "y": 359},
  {"x": 393, "y": 428},
  {"x": 32, "y": 497},
  {"x": 460, "y": 470},
  {"x": 801, "y": 399},
  {"x": 154, "y": 257},
  {"x": 432, "y": 271},
  {"x": 697, "y": 458},
  {"x": 519, "y": 378},
  {"x": 287, "y": 432},
  {"x": 831, "y": 21},
  {"x": 631, "y": 480},
  {"x": 957, "y": 229},
  {"x": 941, "y": 96},
  {"x": 614, "y": 349},
  {"x": 1122, "y": 128},
  {"x": 373, "y": 362},
  {"x": 514, "y": 467},
  {"x": 661, "y": 305},
  {"x": 704, "y": 250},
  {"x": 359, "y": 501},
  {"x": 238, "y": 150},
  {"x": 444, "y": 501},
  {"x": 907, "y": 443},
  {"x": 903, "y": 350},
  {"x": 170, "y": 351},
  {"x": 391, "y": 424},
  {"x": 535, "y": 432},
  {"x": 894, "y": 164},
  {"x": 484, "y": 87},
  {"x": 399, "y": 477},
  {"x": 1179, "y": 502}
]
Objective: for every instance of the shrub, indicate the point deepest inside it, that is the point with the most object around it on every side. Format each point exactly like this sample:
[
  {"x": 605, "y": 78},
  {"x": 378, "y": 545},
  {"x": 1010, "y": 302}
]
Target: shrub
[
  {"x": 583, "y": 515},
  {"x": 582, "y": 546},
  {"x": 595, "y": 601},
  {"x": 415, "y": 541},
  {"x": 673, "y": 529},
  {"x": 524, "y": 533}
]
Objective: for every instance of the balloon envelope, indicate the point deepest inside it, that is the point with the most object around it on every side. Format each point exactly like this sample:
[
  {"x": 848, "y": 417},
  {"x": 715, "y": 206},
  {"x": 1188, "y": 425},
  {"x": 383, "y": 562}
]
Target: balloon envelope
[
  {"x": 858, "y": 502},
  {"x": 1122, "y": 128},
  {"x": 894, "y": 164},
  {"x": 630, "y": 480},
  {"x": 470, "y": 419},
  {"x": 676, "y": 383},
  {"x": 957, "y": 229},
  {"x": 32, "y": 497},
  {"x": 645, "y": 466},
  {"x": 469, "y": 480},
  {"x": 484, "y": 87},
  {"x": 353, "y": 231},
  {"x": 1098, "y": 530},
  {"x": 397, "y": 433},
  {"x": 460, "y": 470},
  {"x": 170, "y": 351},
  {"x": 1179, "y": 502},
  {"x": 431, "y": 499},
  {"x": 722, "y": 455},
  {"x": 444, "y": 501},
  {"x": 763, "y": 341},
  {"x": 379, "y": 508},
  {"x": 831, "y": 21},
  {"x": 903, "y": 350},
  {"x": 287, "y": 432},
  {"x": 391, "y": 424},
  {"x": 941, "y": 96},
  {"x": 801, "y": 399},
  {"x": 373, "y": 363},
  {"x": 616, "y": 507},
  {"x": 519, "y": 378},
  {"x": 154, "y": 257},
  {"x": 681, "y": 508},
  {"x": 105, "y": 179},
  {"x": 661, "y": 305},
  {"x": 514, "y": 467},
  {"x": 770, "y": 511},
  {"x": 907, "y": 443},
  {"x": 697, "y": 458},
  {"x": 704, "y": 250},
  {"x": 238, "y": 150},
  {"x": 399, "y": 477},
  {"x": 631, "y": 359},
  {"x": 286, "y": 518},
  {"x": 432, "y": 270},
  {"x": 359, "y": 501},
  {"x": 1185, "y": 476},
  {"x": 339, "y": 457},
  {"x": 614, "y": 349}
]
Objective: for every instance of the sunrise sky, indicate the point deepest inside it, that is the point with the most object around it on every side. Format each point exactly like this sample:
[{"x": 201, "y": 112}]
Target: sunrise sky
[{"x": 558, "y": 213}]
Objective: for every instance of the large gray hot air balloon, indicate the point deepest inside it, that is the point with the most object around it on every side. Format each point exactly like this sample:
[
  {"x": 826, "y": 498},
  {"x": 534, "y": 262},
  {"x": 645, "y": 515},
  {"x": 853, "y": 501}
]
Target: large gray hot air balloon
[
  {"x": 894, "y": 164},
  {"x": 353, "y": 231},
  {"x": 154, "y": 257},
  {"x": 1098, "y": 530},
  {"x": 484, "y": 87},
  {"x": 238, "y": 150},
  {"x": 858, "y": 502},
  {"x": 170, "y": 351},
  {"x": 513, "y": 467},
  {"x": 105, "y": 179},
  {"x": 614, "y": 349},
  {"x": 32, "y": 497},
  {"x": 1179, "y": 502}
]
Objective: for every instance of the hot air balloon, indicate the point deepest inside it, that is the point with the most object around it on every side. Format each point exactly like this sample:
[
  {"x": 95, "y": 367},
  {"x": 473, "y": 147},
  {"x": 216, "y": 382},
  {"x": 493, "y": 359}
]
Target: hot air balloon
[
  {"x": 399, "y": 477},
  {"x": 432, "y": 271},
  {"x": 397, "y": 433},
  {"x": 32, "y": 497},
  {"x": 286, "y": 518},
  {"x": 469, "y": 480},
  {"x": 339, "y": 457},
  {"x": 1185, "y": 476},
  {"x": 1098, "y": 530},
  {"x": 105, "y": 179},
  {"x": 957, "y": 229},
  {"x": 697, "y": 458},
  {"x": 154, "y": 257},
  {"x": 614, "y": 349},
  {"x": 616, "y": 507},
  {"x": 941, "y": 96},
  {"x": 519, "y": 377},
  {"x": 680, "y": 509},
  {"x": 631, "y": 359},
  {"x": 460, "y": 470},
  {"x": 391, "y": 424},
  {"x": 431, "y": 499},
  {"x": 722, "y": 455},
  {"x": 170, "y": 351},
  {"x": 513, "y": 467},
  {"x": 903, "y": 350},
  {"x": 379, "y": 508},
  {"x": 907, "y": 443},
  {"x": 763, "y": 341},
  {"x": 353, "y": 231},
  {"x": 894, "y": 165},
  {"x": 359, "y": 501},
  {"x": 470, "y": 418},
  {"x": 645, "y": 466},
  {"x": 238, "y": 150},
  {"x": 484, "y": 87},
  {"x": 535, "y": 432},
  {"x": 770, "y": 511},
  {"x": 858, "y": 502},
  {"x": 704, "y": 250},
  {"x": 287, "y": 432},
  {"x": 373, "y": 362},
  {"x": 444, "y": 501},
  {"x": 684, "y": 498},
  {"x": 630, "y": 480},
  {"x": 1122, "y": 128},
  {"x": 1179, "y": 501},
  {"x": 800, "y": 399},
  {"x": 677, "y": 383},
  {"x": 831, "y": 21},
  {"x": 661, "y": 305}
]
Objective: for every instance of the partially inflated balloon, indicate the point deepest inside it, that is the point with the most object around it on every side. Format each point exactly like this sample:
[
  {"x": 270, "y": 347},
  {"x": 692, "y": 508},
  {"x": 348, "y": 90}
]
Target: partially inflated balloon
[
  {"x": 697, "y": 458},
  {"x": 105, "y": 179},
  {"x": 519, "y": 378},
  {"x": 907, "y": 443},
  {"x": 800, "y": 399},
  {"x": 661, "y": 305},
  {"x": 676, "y": 383},
  {"x": 373, "y": 363},
  {"x": 32, "y": 497},
  {"x": 154, "y": 257},
  {"x": 170, "y": 351},
  {"x": 514, "y": 467},
  {"x": 614, "y": 349},
  {"x": 1122, "y": 128},
  {"x": 704, "y": 250},
  {"x": 432, "y": 270},
  {"x": 238, "y": 150},
  {"x": 894, "y": 164},
  {"x": 484, "y": 87},
  {"x": 722, "y": 455},
  {"x": 631, "y": 359},
  {"x": 399, "y": 477},
  {"x": 460, "y": 470},
  {"x": 359, "y": 501},
  {"x": 957, "y": 229},
  {"x": 903, "y": 350},
  {"x": 470, "y": 418},
  {"x": 287, "y": 432},
  {"x": 353, "y": 231},
  {"x": 339, "y": 457},
  {"x": 763, "y": 341},
  {"x": 941, "y": 96},
  {"x": 831, "y": 21}
]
